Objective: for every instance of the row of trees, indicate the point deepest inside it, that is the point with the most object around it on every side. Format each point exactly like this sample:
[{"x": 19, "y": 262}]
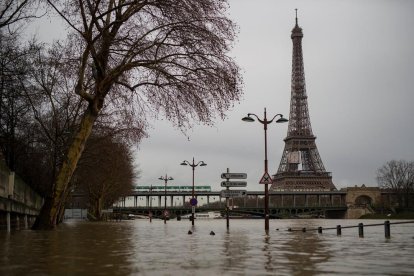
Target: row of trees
[
  {"x": 398, "y": 176},
  {"x": 121, "y": 61},
  {"x": 39, "y": 114}
]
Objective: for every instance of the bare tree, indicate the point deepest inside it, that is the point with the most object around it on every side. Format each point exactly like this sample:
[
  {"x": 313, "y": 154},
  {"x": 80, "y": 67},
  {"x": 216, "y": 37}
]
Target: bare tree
[
  {"x": 399, "y": 177},
  {"x": 105, "y": 173},
  {"x": 13, "y": 12},
  {"x": 56, "y": 111},
  {"x": 165, "y": 56},
  {"x": 14, "y": 110}
]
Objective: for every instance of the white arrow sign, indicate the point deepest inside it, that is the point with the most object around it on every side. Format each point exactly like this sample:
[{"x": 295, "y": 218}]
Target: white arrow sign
[
  {"x": 234, "y": 175},
  {"x": 233, "y": 193},
  {"x": 233, "y": 184}
]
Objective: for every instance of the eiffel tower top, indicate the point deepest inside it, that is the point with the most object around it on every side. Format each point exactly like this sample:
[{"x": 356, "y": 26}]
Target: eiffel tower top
[{"x": 296, "y": 31}]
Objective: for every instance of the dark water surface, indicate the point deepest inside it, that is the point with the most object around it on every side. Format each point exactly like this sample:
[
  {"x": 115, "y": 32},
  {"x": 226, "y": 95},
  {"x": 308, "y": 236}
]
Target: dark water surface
[{"x": 142, "y": 248}]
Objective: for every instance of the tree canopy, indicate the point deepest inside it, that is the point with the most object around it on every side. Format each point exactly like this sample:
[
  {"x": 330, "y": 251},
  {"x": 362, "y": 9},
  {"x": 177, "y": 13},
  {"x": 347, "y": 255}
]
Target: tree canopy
[{"x": 129, "y": 59}]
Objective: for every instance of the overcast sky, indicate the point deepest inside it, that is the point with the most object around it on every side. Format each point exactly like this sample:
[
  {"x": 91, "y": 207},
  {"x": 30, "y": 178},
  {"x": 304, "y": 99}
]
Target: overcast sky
[{"x": 359, "y": 70}]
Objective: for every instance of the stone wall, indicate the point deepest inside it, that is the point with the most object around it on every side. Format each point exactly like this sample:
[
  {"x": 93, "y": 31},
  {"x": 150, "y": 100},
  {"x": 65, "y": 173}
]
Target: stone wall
[{"x": 353, "y": 193}]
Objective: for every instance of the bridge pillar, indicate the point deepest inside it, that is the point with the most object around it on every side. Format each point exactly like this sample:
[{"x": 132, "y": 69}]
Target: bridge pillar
[
  {"x": 306, "y": 201},
  {"x": 208, "y": 200},
  {"x": 183, "y": 200},
  {"x": 294, "y": 200},
  {"x": 257, "y": 201},
  {"x": 281, "y": 201},
  {"x": 331, "y": 199},
  {"x": 146, "y": 201},
  {"x": 171, "y": 201},
  {"x": 319, "y": 200},
  {"x": 244, "y": 201},
  {"x": 159, "y": 201}
]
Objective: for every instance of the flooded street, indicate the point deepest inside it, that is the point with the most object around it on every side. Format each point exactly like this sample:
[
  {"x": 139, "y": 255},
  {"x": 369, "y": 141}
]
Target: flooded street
[{"x": 139, "y": 247}]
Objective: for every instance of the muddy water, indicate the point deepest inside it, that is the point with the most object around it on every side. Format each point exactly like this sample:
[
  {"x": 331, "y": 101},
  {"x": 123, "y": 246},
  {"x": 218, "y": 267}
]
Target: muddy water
[{"x": 139, "y": 247}]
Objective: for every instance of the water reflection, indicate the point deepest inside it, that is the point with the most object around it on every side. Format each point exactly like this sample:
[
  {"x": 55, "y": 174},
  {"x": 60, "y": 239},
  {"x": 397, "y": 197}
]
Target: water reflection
[
  {"x": 267, "y": 254},
  {"x": 304, "y": 251},
  {"x": 235, "y": 247}
]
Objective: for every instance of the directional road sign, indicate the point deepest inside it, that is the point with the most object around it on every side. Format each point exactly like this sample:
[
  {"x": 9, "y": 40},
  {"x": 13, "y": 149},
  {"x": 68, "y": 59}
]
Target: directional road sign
[
  {"x": 233, "y": 184},
  {"x": 233, "y": 193},
  {"x": 234, "y": 175}
]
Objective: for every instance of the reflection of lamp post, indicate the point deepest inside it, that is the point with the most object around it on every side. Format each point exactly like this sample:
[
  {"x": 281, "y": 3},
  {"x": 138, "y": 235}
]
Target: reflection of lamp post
[
  {"x": 265, "y": 122},
  {"x": 166, "y": 178},
  {"x": 193, "y": 201}
]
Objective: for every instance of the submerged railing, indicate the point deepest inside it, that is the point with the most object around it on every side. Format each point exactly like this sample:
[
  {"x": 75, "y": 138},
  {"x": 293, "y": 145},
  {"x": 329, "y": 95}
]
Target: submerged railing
[{"x": 387, "y": 228}]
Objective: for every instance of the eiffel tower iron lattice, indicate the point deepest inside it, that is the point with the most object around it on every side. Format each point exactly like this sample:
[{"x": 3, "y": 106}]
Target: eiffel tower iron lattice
[{"x": 301, "y": 167}]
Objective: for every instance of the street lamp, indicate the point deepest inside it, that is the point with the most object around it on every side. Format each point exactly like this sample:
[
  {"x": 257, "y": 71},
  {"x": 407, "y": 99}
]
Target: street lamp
[
  {"x": 193, "y": 200},
  {"x": 265, "y": 177},
  {"x": 166, "y": 178}
]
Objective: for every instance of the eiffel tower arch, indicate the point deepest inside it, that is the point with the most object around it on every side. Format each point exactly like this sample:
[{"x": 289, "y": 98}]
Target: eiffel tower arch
[{"x": 301, "y": 167}]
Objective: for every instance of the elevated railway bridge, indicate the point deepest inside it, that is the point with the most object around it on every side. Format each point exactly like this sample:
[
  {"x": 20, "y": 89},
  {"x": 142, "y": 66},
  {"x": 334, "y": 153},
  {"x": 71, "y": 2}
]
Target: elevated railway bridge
[{"x": 281, "y": 203}]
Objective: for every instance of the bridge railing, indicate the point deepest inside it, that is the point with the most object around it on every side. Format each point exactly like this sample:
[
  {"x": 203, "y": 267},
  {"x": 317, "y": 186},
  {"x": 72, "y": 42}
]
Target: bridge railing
[{"x": 387, "y": 228}]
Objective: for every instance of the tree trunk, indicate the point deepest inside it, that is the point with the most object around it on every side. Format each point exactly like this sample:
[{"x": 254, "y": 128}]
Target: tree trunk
[
  {"x": 96, "y": 209},
  {"x": 49, "y": 214},
  {"x": 62, "y": 207}
]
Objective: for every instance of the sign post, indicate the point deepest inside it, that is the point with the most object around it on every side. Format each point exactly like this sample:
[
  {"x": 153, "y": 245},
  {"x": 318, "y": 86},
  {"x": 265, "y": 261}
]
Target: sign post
[
  {"x": 227, "y": 201},
  {"x": 227, "y": 193}
]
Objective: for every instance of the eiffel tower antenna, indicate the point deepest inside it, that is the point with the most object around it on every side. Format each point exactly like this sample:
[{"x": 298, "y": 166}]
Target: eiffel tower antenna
[
  {"x": 296, "y": 10},
  {"x": 301, "y": 167}
]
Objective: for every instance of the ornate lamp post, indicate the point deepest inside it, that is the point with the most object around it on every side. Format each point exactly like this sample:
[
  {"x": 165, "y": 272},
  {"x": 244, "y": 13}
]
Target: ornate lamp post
[
  {"x": 193, "y": 200},
  {"x": 266, "y": 177},
  {"x": 166, "y": 178}
]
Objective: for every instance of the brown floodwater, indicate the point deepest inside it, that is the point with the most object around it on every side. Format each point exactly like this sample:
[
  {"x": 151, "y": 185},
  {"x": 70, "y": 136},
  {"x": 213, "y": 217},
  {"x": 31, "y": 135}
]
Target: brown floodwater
[{"x": 139, "y": 247}]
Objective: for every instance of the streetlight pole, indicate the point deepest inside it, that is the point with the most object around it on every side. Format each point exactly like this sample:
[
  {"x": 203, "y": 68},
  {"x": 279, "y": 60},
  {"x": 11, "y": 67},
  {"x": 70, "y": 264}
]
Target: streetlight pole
[
  {"x": 166, "y": 178},
  {"x": 265, "y": 122},
  {"x": 150, "y": 212},
  {"x": 193, "y": 200}
]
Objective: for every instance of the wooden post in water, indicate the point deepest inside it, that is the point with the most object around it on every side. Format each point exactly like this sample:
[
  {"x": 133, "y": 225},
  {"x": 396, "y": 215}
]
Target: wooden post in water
[
  {"x": 387, "y": 229},
  {"x": 338, "y": 230},
  {"x": 361, "y": 230}
]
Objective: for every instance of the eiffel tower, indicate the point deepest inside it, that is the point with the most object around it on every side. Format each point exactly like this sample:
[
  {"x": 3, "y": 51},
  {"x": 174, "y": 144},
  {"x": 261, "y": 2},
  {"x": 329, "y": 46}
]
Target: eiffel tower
[{"x": 301, "y": 166}]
